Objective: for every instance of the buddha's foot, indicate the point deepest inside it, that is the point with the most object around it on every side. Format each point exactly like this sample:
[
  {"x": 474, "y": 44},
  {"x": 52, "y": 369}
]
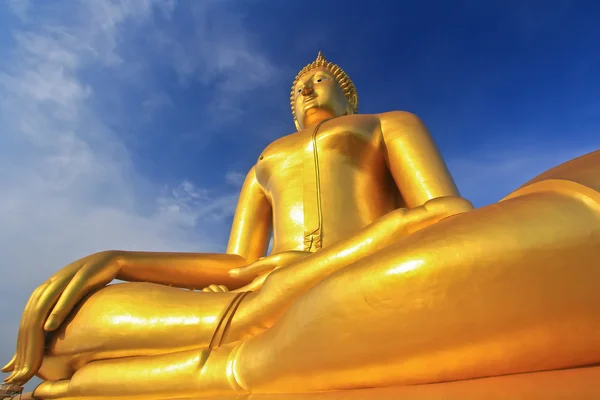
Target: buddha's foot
[{"x": 197, "y": 372}]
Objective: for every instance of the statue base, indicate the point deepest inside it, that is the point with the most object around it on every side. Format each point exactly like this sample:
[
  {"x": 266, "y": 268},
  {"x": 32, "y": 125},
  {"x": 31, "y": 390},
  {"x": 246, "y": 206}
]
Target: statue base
[{"x": 572, "y": 383}]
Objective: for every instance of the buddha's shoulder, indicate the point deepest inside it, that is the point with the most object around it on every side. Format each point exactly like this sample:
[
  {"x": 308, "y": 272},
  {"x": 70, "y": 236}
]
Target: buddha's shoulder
[
  {"x": 288, "y": 143},
  {"x": 281, "y": 146},
  {"x": 398, "y": 115}
]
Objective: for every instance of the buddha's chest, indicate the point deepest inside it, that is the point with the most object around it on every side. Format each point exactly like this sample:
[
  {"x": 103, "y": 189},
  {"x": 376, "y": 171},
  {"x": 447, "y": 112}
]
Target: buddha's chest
[{"x": 341, "y": 146}]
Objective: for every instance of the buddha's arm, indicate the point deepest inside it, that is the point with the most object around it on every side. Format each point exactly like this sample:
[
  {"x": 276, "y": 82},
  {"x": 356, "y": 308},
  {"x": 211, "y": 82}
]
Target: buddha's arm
[
  {"x": 252, "y": 223},
  {"x": 185, "y": 270},
  {"x": 414, "y": 160},
  {"x": 248, "y": 241}
]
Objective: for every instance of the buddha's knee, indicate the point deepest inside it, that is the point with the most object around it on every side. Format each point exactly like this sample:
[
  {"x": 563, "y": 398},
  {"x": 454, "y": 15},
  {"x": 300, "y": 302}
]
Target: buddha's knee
[
  {"x": 85, "y": 324},
  {"x": 104, "y": 302}
]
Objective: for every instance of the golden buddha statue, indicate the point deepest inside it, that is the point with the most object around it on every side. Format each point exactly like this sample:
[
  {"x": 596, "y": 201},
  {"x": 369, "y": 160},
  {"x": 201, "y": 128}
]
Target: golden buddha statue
[{"x": 381, "y": 276}]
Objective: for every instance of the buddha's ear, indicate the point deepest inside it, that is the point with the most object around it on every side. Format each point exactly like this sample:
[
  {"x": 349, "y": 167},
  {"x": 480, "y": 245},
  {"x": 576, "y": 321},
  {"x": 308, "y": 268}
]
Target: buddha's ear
[
  {"x": 298, "y": 128},
  {"x": 352, "y": 105},
  {"x": 349, "y": 109}
]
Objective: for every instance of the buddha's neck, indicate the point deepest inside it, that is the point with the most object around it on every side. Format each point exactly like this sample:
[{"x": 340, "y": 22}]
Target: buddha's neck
[{"x": 315, "y": 115}]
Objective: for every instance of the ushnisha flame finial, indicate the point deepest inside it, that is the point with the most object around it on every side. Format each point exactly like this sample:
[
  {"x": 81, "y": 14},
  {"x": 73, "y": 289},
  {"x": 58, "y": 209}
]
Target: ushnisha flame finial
[{"x": 320, "y": 57}]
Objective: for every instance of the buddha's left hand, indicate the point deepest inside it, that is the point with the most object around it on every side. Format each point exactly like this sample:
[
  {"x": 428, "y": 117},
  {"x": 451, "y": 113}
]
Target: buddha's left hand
[
  {"x": 262, "y": 268},
  {"x": 270, "y": 263}
]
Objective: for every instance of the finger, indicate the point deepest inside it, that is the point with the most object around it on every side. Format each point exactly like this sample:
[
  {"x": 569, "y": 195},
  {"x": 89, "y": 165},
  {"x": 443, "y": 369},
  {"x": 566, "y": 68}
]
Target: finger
[
  {"x": 23, "y": 329},
  {"x": 256, "y": 268},
  {"x": 67, "y": 300},
  {"x": 59, "y": 283},
  {"x": 223, "y": 288},
  {"x": 34, "y": 335},
  {"x": 10, "y": 365},
  {"x": 51, "y": 297},
  {"x": 253, "y": 286},
  {"x": 56, "y": 283},
  {"x": 82, "y": 283}
]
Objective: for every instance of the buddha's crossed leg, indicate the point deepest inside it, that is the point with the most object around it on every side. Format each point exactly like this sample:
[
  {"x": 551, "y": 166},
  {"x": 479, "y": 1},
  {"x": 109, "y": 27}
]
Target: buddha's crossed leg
[
  {"x": 133, "y": 319},
  {"x": 508, "y": 288}
]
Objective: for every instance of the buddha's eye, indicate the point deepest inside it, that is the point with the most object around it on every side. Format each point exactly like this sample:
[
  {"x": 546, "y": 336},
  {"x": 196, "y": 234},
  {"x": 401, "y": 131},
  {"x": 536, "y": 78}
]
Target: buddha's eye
[{"x": 321, "y": 79}]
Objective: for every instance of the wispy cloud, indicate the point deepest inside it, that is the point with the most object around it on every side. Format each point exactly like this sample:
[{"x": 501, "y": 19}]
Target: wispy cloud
[
  {"x": 219, "y": 54},
  {"x": 19, "y": 8},
  {"x": 235, "y": 178}
]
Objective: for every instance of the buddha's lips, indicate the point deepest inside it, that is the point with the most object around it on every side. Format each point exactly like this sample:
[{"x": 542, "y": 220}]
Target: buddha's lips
[{"x": 309, "y": 102}]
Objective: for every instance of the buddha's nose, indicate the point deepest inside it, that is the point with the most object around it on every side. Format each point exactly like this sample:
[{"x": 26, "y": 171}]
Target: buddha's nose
[{"x": 307, "y": 90}]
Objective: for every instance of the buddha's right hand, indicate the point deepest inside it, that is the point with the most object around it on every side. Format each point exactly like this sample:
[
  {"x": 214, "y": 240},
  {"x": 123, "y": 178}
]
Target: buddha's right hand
[{"x": 50, "y": 304}]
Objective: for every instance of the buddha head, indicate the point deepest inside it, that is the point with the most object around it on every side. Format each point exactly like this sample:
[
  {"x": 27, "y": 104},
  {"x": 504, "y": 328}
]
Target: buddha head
[{"x": 322, "y": 86}]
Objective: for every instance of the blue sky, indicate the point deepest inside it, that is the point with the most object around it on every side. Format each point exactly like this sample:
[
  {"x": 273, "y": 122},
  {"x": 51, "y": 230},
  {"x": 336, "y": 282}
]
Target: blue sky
[{"x": 129, "y": 124}]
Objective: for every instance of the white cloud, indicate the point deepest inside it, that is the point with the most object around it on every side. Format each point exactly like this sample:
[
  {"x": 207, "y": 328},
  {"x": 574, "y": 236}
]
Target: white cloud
[
  {"x": 156, "y": 101},
  {"x": 235, "y": 178},
  {"x": 220, "y": 52},
  {"x": 19, "y": 7}
]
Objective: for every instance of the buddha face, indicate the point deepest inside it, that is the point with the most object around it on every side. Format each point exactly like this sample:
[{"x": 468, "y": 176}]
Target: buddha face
[{"x": 318, "y": 91}]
